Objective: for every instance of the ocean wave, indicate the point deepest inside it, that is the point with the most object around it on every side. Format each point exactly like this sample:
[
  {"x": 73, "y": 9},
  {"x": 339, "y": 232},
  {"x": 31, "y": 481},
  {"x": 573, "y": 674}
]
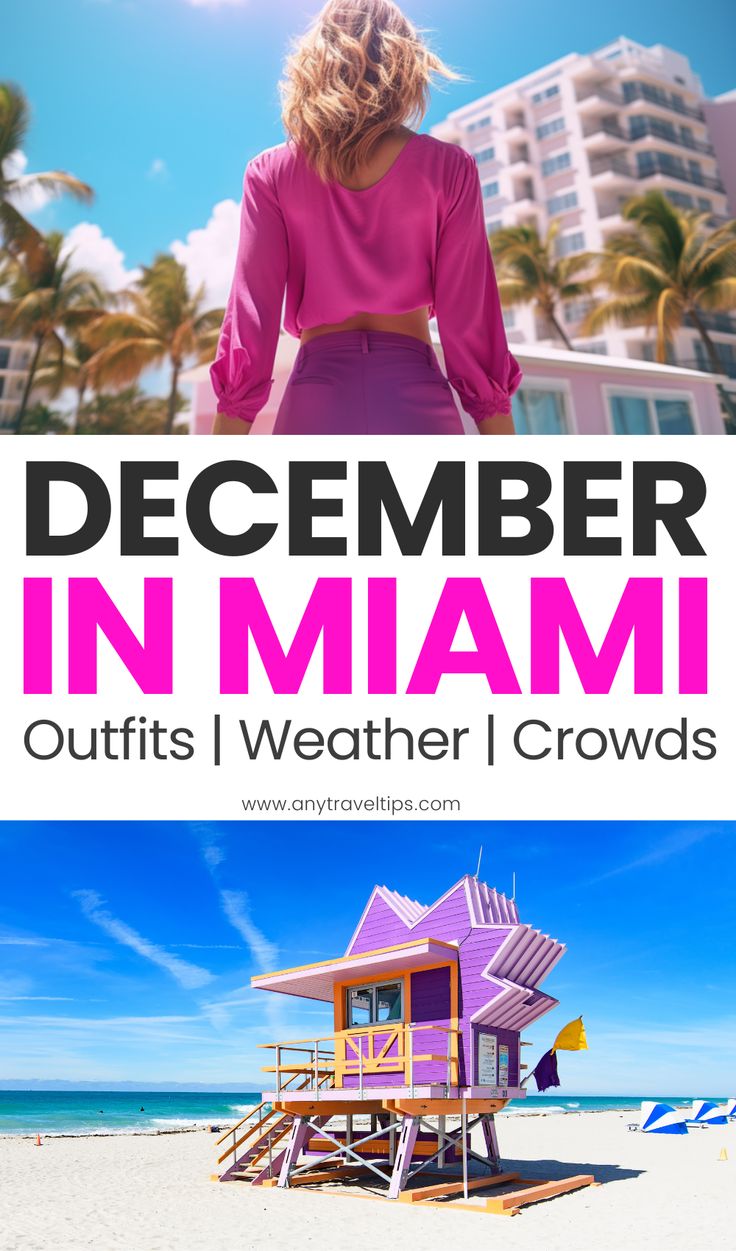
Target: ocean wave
[
  {"x": 242, "y": 1108},
  {"x": 178, "y": 1121}
]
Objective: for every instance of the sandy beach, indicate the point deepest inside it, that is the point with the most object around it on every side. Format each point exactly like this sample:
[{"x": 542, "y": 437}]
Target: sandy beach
[{"x": 153, "y": 1193}]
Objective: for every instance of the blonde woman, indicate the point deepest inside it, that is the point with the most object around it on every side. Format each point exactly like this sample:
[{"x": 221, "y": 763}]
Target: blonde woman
[{"x": 368, "y": 229}]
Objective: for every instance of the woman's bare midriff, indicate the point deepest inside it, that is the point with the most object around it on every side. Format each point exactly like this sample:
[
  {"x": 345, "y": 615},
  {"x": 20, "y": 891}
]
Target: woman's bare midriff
[{"x": 415, "y": 323}]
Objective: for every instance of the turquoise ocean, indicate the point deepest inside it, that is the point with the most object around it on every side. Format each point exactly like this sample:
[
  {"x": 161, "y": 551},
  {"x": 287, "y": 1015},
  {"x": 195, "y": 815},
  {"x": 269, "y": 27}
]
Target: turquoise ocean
[{"x": 130, "y": 1111}]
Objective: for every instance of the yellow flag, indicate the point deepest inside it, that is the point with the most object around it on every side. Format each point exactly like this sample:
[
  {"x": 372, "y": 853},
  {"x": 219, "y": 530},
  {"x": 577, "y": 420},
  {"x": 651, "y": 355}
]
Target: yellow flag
[{"x": 572, "y": 1037}]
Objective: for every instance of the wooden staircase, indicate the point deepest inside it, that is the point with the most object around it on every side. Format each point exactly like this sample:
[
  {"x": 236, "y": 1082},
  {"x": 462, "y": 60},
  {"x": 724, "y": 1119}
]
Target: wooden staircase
[{"x": 257, "y": 1153}]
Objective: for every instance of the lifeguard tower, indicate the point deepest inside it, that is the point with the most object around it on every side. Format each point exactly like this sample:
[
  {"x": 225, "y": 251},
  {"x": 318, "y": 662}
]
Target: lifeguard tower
[{"x": 429, "y": 1003}]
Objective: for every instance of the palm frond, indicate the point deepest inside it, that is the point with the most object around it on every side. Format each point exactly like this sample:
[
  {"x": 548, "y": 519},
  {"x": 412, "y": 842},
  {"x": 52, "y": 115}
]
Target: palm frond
[
  {"x": 719, "y": 297},
  {"x": 631, "y": 272},
  {"x": 112, "y": 327},
  {"x": 513, "y": 292},
  {"x": 711, "y": 263},
  {"x": 14, "y": 120},
  {"x": 669, "y": 319},
  {"x": 54, "y": 182},
  {"x": 18, "y": 235},
  {"x": 626, "y": 310},
  {"x": 210, "y": 320},
  {"x": 125, "y": 360},
  {"x": 660, "y": 223}
]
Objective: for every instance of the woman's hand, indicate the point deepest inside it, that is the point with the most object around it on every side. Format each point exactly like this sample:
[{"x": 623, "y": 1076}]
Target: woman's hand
[
  {"x": 230, "y": 425},
  {"x": 500, "y": 424}
]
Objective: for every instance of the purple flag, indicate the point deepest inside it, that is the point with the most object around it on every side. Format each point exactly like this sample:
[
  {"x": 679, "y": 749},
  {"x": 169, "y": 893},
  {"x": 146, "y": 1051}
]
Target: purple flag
[{"x": 545, "y": 1074}]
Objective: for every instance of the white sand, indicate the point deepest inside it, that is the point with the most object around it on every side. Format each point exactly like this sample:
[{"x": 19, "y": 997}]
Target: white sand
[{"x": 154, "y": 1194}]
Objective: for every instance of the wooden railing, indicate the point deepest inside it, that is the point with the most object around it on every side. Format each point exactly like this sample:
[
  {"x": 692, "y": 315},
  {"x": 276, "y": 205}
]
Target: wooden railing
[
  {"x": 263, "y": 1113},
  {"x": 382, "y": 1049}
]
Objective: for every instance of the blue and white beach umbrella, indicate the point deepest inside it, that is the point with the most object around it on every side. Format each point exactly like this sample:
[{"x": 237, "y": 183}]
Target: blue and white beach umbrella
[
  {"x": 661, "y": 1118},
  {"x": 706, "y": 1112},
  {"x": 730, "y": 1109}
]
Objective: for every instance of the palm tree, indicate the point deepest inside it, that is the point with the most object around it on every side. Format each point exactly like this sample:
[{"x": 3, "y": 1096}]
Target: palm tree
[
  {"x": 40, "y": 419},
  {"x": 77, "y": 366},
  {"x": 129, "y": 411},
  {"x": 671, "y": 268},
  {"x": 45, "y": 298},
  {"x": 531, "y": 272},
  {"x": 166, "y": 323},
  {"x": 18, "y": 235}
]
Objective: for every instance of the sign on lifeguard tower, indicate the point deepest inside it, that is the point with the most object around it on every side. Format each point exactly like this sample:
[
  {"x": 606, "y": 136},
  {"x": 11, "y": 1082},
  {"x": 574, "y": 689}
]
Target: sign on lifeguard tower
[{"x": 487, "y": 1070}]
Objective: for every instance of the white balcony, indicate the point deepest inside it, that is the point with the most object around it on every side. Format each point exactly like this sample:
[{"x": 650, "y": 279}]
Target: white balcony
[
  {"x": 611, "y": 170},
  {"x": 597, "y": 99},
  {"x": 602, "y": 135}
]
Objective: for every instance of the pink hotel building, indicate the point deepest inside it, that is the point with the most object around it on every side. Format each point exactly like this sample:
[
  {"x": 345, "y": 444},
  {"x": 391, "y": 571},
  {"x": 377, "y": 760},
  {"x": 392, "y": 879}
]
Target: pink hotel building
[{"x": 571, "y": 143}]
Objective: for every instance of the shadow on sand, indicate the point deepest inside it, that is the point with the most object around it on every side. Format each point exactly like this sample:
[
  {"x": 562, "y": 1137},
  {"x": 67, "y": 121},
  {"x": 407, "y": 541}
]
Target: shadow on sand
[{"x": 553, "y": 1170}]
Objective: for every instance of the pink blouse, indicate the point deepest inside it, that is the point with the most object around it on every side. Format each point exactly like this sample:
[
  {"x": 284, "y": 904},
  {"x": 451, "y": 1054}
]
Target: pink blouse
[{"x": 414, "y": 239}]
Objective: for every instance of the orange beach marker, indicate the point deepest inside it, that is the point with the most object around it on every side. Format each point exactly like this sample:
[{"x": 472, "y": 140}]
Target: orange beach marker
[{"x": 38, "y": 1140}]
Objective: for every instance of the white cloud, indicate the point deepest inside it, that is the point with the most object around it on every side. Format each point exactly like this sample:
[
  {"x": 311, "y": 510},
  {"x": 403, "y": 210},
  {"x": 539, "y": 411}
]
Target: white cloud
[
  {"x": 236, "y": 909},
  {"x": 36, "y": 999},
  {"x": 190, "y": 976},
  {"x": 14, "y": 987},
  {"x": 97, "y": 252},
  {"x": 158, "y": 170},
  {"x": 18, "y": 940},
  {"x": 213, "y": 853},
  {"x": 210, "y": 946},
  {"x": 672, "y": 844},
  {"x": 208, "y": 254}
]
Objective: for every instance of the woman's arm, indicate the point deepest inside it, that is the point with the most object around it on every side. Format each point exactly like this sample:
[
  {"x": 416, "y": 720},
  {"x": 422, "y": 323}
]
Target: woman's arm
[
  {"x": 477, "y": 358},
  {"x": 502, "y": 423},
  {"x": 223, "y": 424},
  {"x": 241, "y": 372}
]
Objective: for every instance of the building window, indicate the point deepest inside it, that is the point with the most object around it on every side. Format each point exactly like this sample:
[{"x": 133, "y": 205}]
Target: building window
[
  {"x": 550, "y": 128},
  {"x": 568, "y": 244},
  {"x": 674, "y": 166},
  {"x": 375, "y": 1004},
  {"x": 643, "y": 413},
  {"x": 641, "y": 125},
  {"x": 484, "y": 154},
  {"x": 696, "y": 171},
  {"x": 595, "y": 347},
  {"x": 575, "y": 310},
  {"x": 553, "y": 164},
  {"x": 490, "y": 190},
  {"x": 680, "y": 198},
  {"x": 509, "y": 318},
  {"x": 726, "y": 353},
  {"x": 560, "y": 203},
  {"x": 493, "y": 226},
  {"x": 540, "y": 96},
  {"x": 478, "y": 124},
  {"x": 2, "y": 387},
  {"x": 540, "y": 410},
  {"x": 4, "y": 357}
]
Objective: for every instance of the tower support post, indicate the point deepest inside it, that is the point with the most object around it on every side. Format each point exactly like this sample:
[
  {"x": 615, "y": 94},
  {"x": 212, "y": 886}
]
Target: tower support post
[
  {"x": 297, "y": 1142},
  {"x": 404, "y": 1152}
]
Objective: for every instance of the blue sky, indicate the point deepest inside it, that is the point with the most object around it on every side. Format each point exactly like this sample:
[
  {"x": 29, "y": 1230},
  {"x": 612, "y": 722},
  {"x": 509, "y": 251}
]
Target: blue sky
[
  {"x": 126, "y": 948},
  {"x": 159, "y": 103}
]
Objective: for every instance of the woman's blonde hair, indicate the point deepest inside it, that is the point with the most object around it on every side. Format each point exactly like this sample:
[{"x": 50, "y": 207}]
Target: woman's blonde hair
[{"x": 360, "y": 70}]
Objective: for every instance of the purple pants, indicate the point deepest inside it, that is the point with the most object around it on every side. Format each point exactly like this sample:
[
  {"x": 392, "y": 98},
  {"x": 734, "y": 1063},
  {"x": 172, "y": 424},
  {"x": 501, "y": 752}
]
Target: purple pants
[{"x": 367, "y": 382}]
